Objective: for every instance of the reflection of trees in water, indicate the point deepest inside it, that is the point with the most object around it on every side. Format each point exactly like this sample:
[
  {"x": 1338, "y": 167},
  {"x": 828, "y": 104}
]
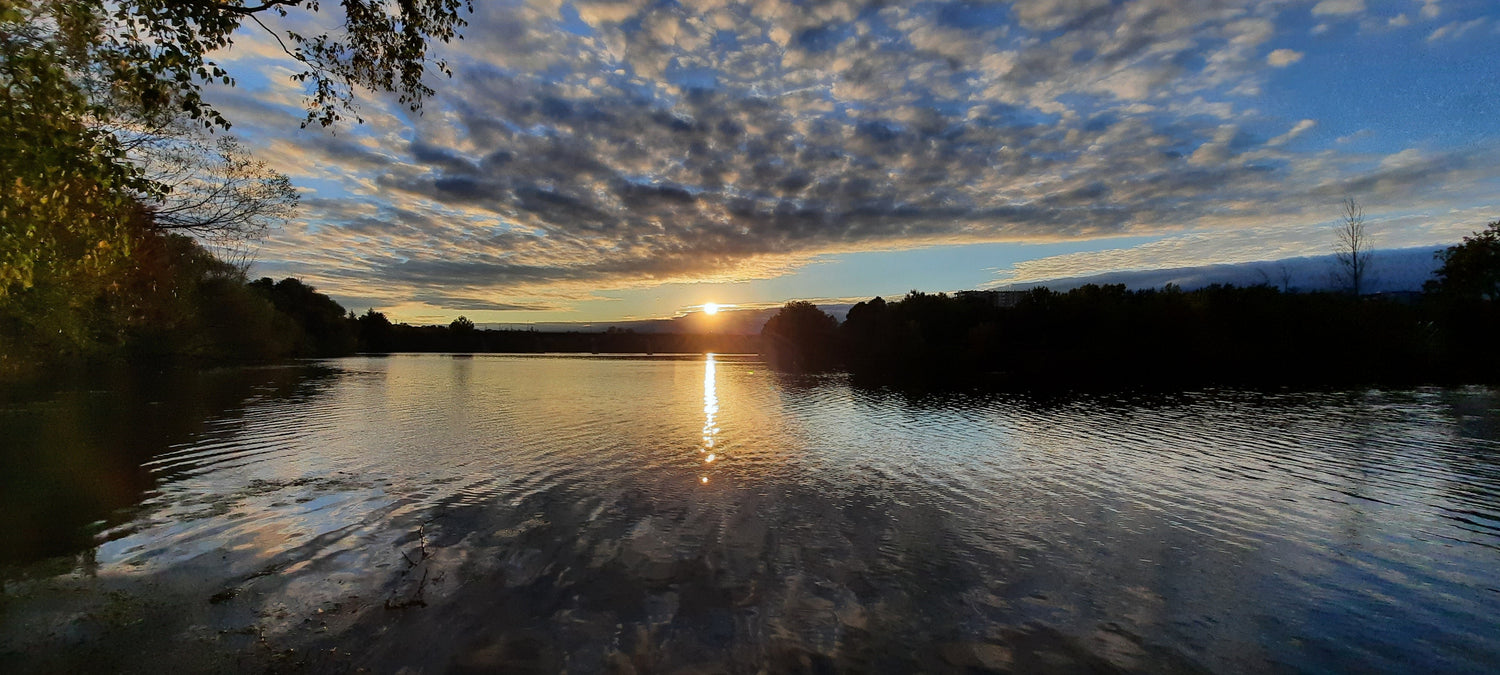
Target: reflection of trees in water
[
  {"x": 1455, "y": 473},
  {"x": 1343, "y": 462},
  {"x": 845, "y": 528},
  {"x": 1473, "y": 460},
  {"x": 798, "y": 383},
  {"x": 946, "y": 396},
  {"x": 75, "y": 450},
  {"x": 1361, "y": 423}
]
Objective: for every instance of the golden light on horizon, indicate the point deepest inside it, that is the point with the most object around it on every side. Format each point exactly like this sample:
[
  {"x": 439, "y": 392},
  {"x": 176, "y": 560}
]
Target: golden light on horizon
[{"x": 711, "y": 308}]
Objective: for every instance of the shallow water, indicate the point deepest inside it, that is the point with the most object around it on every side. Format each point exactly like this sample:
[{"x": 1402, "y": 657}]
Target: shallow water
[{"x": 661, "y": 514}]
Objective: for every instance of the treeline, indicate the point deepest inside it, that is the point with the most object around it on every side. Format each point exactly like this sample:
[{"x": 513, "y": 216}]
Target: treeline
[
  {"x": 171, "y": 300},
  {"x": 168, "y": 298},
  {"x": 1108, "y": 335},
  {"x": 379, "y": 335},
  {"x": 108, "y": 163}
]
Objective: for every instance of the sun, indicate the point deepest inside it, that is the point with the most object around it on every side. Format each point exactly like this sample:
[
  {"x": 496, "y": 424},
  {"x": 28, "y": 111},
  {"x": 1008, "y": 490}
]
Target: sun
[{"x": 710, "y": 308}]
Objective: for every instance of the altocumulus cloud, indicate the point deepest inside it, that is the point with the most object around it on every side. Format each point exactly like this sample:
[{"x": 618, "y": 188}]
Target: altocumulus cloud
[
  {"x": 1282, "y": 58},
  {"x": 605, "y": 145}
]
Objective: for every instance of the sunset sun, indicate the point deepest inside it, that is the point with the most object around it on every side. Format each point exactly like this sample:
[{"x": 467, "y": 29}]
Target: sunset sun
[{"x": 1064, "y": 335}]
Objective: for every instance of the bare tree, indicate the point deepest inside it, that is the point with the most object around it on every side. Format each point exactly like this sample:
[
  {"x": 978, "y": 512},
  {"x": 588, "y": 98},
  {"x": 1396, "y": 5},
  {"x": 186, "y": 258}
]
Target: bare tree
[
  {"x": 1351, "y": 251},
  {"x": 214, "y": 189}
]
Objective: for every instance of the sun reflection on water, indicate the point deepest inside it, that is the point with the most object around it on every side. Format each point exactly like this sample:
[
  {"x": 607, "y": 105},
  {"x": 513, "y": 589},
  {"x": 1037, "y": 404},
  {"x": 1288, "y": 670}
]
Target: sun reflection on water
[
  {"x": 1013, "y": 526},
  {"x": 710, "y": 412}
]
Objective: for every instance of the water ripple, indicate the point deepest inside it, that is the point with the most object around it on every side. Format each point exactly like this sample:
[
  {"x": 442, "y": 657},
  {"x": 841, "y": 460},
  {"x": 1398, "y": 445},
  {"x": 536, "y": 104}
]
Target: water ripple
[{"x": 676, "y": 512}]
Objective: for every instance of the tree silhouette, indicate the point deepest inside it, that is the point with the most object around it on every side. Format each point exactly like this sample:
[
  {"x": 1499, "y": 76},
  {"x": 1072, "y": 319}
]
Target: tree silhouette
[
  {"x": 216, "y": 190},
  {"x": 800, "y": 338},
  {"x": 325, "y": 330},
  {"x": 1471, "y": 269},
  {"x": 375, "y": 331},
  {"x": 1352, "y": 250}
]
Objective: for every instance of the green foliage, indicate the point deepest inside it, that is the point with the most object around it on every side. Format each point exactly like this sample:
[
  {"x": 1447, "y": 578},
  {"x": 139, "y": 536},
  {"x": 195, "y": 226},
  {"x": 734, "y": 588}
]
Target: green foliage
[
  {"x": 87, "y": 88},
  {"x": 383, "y": 45},
  {"x": 170, "y": 298},
  {"x": 152, "y": 56},
  {"x": 66, "y": 205},
  {"x": 78, "y": 75},
  {"x": 1471, "y": 269}
]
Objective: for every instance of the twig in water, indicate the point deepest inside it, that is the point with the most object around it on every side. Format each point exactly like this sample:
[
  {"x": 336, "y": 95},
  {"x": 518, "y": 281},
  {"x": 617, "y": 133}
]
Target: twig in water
[
  {"x": 424, "y": 554},
  {"x": 416, "y": 599}
]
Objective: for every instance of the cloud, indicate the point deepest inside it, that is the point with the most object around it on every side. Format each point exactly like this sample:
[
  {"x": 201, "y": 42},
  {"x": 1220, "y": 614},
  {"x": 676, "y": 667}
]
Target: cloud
[
  {"x": 1358, "y": 135},
  {"x": 1338, "y": 7},
  {"x": 641, "y": 143},
  {"x": 1398, "y": 270},
  {"x": 1455, "y": 29},
  {"x": 1282, "y": 58},
  {"x": 1297, "y": 130},
  {"x": 1177, "y": 259},
  {"x": 1053, "y": 14},
  {"x": 1187, "y": 250},
  {"x": 600, "y": 13},
  {"x": 479, "y": 304}
]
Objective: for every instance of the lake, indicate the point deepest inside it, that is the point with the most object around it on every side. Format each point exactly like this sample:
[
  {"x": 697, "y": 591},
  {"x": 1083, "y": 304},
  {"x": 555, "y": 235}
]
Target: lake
[{"x": 702, "y": 514}]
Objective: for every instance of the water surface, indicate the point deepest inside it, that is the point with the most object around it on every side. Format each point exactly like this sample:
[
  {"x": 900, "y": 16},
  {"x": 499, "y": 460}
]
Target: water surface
[{"x": 666, "y": 514}]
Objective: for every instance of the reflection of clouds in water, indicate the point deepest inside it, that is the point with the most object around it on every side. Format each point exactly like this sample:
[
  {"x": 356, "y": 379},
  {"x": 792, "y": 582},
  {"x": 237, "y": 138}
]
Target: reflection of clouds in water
[
  {"x": 710, "y": 412},
  {"x": 863, "y": 521}
]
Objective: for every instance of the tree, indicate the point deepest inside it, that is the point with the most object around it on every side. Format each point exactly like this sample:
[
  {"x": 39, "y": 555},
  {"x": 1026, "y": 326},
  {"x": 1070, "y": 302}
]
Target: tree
[
  {"x": 375, "y": 331},
  {"x": 67, "y": 210},
  {"x": 1352, "y": 248},
  {"x": 78, "y": 78},
  {"x": 215, "y": 190},
  {"x": 865, "y": 332},
  {"x": 462, "y": 335},
  {"x": 152, "y": 55},
  {"x": 85, "y": 83},
  {"x": 325, "y": 331},
  {"x": 1470, "y": 270},
  {"x": 800, "y": 338}
]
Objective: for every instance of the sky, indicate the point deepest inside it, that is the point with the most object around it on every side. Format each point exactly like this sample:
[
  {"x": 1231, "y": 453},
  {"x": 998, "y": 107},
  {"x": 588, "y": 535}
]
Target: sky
[{"x": 596, "y": 161}]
